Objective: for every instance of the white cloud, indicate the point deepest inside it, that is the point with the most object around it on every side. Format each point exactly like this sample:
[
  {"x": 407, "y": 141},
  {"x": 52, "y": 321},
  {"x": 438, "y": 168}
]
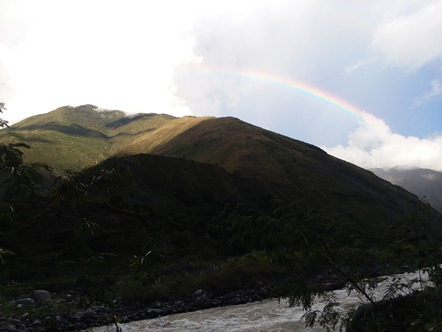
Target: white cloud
[
  {"x": 359, "y": 64},
  {"x": 374, "y": 145},
  {"x": 114, "y": 54},
  {"x": 412, "y": 39},
  {"x": 433, "y": 94}
]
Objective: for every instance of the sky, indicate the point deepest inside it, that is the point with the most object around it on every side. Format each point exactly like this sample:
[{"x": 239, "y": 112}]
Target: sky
[{"x": 360, "y": 79}]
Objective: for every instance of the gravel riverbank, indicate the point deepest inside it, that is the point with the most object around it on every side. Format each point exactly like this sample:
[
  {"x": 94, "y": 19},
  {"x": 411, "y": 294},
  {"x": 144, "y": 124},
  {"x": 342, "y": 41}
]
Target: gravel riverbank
[{"x": 59, "y": 313}]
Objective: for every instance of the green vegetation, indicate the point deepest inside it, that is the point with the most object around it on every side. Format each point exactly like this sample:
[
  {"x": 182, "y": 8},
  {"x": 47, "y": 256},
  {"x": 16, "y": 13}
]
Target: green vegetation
[
  {"x": 401, "y": 308},
  {"x": 74, "y": 138}
]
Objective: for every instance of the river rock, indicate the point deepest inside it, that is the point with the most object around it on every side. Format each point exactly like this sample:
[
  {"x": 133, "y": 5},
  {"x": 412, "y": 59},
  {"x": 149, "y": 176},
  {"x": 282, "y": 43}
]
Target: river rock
[
  {"x": 153, "y": 312},
  {"x": 200, "y": 295},
  {"x": 25, "y": 301},
  {"x": 10, "y": 328}
]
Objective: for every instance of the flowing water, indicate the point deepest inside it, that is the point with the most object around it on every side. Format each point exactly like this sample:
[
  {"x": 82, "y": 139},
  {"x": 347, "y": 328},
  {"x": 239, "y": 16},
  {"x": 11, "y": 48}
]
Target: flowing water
[{"x": 268, "y": 315}]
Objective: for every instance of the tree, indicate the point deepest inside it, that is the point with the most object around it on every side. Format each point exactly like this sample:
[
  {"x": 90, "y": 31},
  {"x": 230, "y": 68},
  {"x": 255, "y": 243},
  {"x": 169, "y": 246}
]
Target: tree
[
  {"x": 408, "y": 304},
  {"x": 19, "y": 180}
]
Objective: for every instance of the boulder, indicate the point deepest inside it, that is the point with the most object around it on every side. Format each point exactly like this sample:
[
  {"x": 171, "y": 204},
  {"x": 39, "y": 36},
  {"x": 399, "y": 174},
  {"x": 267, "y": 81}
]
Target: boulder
[
  {"x": 41, "y": 296},
  {"x": 200, "y": 295}
]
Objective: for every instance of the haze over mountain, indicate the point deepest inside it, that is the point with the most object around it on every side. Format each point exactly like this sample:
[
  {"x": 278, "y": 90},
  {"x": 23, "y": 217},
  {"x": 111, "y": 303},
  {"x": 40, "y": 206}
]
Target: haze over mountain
[{"x": 425, "y": 183}]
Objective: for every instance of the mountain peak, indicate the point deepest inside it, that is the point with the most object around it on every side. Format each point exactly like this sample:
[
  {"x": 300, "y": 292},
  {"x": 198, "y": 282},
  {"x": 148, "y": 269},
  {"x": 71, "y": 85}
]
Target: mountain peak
[{"x": 86, "y": 107}]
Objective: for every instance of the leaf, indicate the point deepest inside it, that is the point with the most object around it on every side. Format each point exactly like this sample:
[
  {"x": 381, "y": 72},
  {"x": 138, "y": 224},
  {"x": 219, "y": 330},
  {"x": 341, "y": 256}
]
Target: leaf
[
  {"x": 310, "y": 318},
  {"x": 4, "y": 252}
]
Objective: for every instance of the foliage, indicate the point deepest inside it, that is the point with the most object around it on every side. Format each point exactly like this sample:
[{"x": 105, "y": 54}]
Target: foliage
[
  {"x": 18, "y": 183},
  {"x": 3, "y": 123},
  {"x": 19, "y": 180},
  {"x": 182, "y": 278},
  {"x": 407, "y": 305}
]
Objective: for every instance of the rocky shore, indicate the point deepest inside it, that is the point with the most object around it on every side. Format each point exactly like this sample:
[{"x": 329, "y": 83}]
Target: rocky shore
[
  {"x": 57, "y": 312},
  {"x": 67, "y": 310}
]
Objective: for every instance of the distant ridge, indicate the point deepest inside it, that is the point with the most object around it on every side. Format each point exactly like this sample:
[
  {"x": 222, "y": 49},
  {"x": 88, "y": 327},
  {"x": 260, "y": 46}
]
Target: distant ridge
[{"x": 425, "y": 183}]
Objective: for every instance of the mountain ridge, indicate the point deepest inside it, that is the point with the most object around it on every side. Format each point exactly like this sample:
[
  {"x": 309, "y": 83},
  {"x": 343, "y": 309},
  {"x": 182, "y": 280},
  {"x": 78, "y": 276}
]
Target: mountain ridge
[{"x": 84, "y": 137}]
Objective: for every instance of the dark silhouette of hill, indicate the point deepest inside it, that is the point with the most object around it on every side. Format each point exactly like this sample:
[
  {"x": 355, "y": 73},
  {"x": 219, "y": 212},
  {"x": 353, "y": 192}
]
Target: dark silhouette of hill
[{"x": 180, "y": 208}]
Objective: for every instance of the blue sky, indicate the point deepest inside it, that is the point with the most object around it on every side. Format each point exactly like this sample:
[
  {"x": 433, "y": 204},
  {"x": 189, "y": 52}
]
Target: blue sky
[{"x": 383, "y": 57}]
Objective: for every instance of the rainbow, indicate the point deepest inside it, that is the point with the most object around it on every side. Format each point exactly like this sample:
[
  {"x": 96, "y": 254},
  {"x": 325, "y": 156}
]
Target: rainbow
[{"x": 299, "y": 86}]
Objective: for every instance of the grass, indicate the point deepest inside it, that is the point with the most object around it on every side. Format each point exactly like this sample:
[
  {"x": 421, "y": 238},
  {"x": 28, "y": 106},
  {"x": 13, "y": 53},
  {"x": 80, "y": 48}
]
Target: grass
[
  {"x": 151, "y": 140},
  {"x": 184, "y": 279}
]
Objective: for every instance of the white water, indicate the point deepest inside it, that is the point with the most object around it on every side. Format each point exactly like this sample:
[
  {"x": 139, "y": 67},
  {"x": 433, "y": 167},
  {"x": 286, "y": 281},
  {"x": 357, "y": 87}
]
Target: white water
[{"x": 268, "y": 315}]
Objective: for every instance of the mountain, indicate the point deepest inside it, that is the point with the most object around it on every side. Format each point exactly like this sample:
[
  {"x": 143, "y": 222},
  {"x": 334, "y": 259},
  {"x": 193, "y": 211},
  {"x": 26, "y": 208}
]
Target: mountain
[
  {"x": 166, "y": 206},
  {"x": 74, "y": 138},
  {"x": 302, "y": 171},
  {"x": 425, "y": 183}
]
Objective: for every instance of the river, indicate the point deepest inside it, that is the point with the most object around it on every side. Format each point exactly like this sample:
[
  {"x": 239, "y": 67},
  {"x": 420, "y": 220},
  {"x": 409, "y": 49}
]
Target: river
[{"x": 268, "y": 315}]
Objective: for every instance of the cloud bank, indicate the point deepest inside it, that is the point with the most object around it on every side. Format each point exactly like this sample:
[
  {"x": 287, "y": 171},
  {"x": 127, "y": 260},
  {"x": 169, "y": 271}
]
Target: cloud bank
[
  {"x": 374, "y": 145},
  {"x": 114, "y": 54}
]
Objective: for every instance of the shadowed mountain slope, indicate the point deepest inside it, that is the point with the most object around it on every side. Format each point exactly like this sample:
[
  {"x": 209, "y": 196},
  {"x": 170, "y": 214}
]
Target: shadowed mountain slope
[
  {"x": 179, "y": 207},
  {"x": 300, "y": 171}
]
